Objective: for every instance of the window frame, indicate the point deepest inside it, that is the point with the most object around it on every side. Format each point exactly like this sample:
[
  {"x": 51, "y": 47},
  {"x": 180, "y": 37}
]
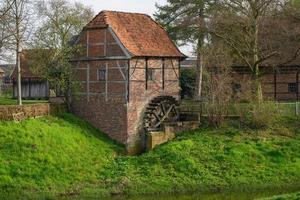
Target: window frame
[
  {"x": 99, "y": 77},
  {"x": 237, "y": 87},
  {"x": 150, "y": 74},
  {"x": 292, "y": 87}
]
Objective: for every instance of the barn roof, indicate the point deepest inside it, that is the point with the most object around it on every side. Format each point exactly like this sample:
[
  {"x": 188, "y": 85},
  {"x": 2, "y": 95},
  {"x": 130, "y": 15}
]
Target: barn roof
[
  {"x": 25, "y": 68},
  {"x": 138, "y": 33}
]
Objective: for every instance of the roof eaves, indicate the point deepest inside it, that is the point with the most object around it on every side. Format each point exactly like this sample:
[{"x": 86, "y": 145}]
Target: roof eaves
[{"x": 95, "y": 27}]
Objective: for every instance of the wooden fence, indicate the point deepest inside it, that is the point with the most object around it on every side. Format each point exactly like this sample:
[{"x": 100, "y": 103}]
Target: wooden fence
[{"x": 235, "y": 109}]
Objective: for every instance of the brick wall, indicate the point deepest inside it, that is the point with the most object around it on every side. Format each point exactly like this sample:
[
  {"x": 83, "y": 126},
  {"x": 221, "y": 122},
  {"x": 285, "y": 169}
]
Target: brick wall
[
  {"x": 99, "y": 42},
  {"x": 108, "y": 116},
  {"x": 139, "y": 97},
  {"x": 102, "y": 102},
  {"x": 271, "y": 85}
]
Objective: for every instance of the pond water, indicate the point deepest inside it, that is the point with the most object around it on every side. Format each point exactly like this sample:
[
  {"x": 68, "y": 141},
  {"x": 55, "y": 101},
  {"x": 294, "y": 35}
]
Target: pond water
[{"x": 214, "y": 196}]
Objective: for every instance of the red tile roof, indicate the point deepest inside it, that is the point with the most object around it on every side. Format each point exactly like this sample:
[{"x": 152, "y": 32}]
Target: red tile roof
[{"x": 139, "y": 33}]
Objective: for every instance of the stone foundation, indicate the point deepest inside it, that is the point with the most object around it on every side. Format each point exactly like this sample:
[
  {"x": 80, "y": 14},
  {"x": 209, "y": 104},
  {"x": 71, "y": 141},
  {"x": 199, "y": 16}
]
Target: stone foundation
[
  {"x": 157, "y": 138},
  {"x": 18, "y": 113}
]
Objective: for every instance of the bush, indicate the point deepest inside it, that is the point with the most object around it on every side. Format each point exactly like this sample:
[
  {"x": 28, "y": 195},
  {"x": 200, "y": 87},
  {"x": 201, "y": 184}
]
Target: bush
[
  {"x": 259, "y": 115},
  {"x": 216, "y": 113}
]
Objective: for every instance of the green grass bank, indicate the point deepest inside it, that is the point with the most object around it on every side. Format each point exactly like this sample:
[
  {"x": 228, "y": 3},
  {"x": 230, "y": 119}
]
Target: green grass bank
[
  {"x": 64, "y": 156},
  {"x": 10, "y": 101}
]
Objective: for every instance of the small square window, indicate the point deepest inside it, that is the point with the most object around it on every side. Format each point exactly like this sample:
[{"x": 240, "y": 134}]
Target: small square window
[
  {"x": 236, "y": 87},
  {"x": 101, "y": 75},
  {"x": 292, "y": 87},
  {"x": 150, "y": 75}
]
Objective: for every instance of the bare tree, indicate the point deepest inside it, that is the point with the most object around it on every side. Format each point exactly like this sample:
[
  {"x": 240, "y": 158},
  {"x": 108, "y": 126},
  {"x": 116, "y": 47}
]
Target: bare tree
[
  {"x": 244, "y": 25},
  {"x": 5, "y": 35},
  {"x": 217, "y": 82},
  {"x": 61, "y": 22},
  {"x": 5, "y": 7},
  {"x": 18, "y": 23}
]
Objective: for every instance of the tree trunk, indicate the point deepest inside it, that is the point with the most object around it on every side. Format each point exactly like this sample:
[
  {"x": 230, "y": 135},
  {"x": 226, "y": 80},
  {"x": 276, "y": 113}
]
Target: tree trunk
[
  {"x": 199, "y": 74},
  {"x": 18, "y": 59},
  {"x": 257, "y": 81},
  {"x": 68, "y": 102},
  {"x": 258, "y": 86},
  {"x": 68, "y": 97},
  {"x": 199, "y": 67},
  {"x": 19, "y": 75}
]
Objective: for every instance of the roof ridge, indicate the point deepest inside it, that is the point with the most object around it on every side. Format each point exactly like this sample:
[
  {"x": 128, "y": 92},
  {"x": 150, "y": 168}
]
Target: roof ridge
[
  {"x": 96, "y": 16},
  {"x": 116, "y": 11}
]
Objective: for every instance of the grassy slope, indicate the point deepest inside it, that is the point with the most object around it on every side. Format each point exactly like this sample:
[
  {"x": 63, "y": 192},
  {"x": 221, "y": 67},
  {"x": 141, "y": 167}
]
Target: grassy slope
[
  {"x": 68, "y": 156},
  {"x": 212, "y": 160},
  {"x": 51, "y": 154}
]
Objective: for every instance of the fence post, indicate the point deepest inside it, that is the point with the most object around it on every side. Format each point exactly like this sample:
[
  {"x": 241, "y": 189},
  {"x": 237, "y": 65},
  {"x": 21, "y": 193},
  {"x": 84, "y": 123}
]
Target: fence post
[{"x": 297, "y": 109}]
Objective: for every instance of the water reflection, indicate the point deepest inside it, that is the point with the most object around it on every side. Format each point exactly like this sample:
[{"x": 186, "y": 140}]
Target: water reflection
[{"x": 223, "y": 196}]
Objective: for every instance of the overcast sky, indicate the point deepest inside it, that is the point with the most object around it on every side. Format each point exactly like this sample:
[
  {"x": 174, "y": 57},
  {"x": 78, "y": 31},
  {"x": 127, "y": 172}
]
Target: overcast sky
[{"x": 140, "y": 6}]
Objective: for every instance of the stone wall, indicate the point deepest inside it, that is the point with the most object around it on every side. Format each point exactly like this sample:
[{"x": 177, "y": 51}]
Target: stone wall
[{"x": 17, "y": 113}]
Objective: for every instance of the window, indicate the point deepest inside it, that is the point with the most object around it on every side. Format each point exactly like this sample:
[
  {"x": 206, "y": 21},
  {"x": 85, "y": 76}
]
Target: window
[
  {"x": 150, "y": 75},
  {"x": 101, "y": 74},
  {"x": 292, "y": 87},
  {"x": 236, "y": 87}
]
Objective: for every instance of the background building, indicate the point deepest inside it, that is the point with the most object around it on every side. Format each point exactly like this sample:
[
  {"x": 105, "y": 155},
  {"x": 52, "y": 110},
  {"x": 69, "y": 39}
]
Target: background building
[{"x": 33, "y": 86}]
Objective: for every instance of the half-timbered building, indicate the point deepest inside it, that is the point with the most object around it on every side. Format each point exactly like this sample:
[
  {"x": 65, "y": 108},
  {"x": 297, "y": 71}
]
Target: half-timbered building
[{"x": 128, "y": 76}]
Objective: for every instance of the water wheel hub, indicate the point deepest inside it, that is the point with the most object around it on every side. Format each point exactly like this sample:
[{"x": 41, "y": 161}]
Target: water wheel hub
[{"x": 159, "y": 111}]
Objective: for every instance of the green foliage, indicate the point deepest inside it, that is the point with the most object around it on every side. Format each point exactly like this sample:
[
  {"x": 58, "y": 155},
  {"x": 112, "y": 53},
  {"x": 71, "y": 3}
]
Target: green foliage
[
  {"x": 54, "y": 42},
  {"x": 54, "y": 65},
  {"x": 259, "y": 115},
  {"x": 184, "y": 20},
  {"x": 188, "y": 83}
]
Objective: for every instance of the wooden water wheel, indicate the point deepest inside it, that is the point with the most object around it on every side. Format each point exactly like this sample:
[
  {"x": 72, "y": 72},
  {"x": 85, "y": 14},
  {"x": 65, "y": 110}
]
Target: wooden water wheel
[{"x": 160, "y": 110}]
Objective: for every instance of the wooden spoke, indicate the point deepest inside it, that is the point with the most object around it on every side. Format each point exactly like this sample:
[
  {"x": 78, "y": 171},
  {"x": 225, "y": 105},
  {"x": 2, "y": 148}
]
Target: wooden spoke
[
  {"x": 159, "y": 111},
  {"x": 163, "y": 109},
  {"x": 164, "y": 117},
  {"x": 157, "y": 117}
]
